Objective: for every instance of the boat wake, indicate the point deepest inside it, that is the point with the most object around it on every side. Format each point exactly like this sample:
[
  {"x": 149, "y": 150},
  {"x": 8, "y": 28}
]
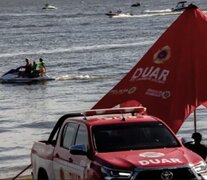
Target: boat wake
[
  {"x": 123, "y": 15},
  {"x": 158, "y": 11},
  {"x": 149, "y": 13},
  {"x": 78, "y": 77},
  {"x": 59, "y": 78}
]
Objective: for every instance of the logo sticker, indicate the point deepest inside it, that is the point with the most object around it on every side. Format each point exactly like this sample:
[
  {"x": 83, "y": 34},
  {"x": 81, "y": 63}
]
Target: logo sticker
[
  {"x": 166, "y": 94},
  {"x": 158, "y": 93},
  {"x": 157, "y": 160},
  {"x": 155, "y": 74},
  {"x": 166, "y": 175},
  {"x": 162, "y": 55},
  {"x": 131, "y": 90},
  {"x": 152, "y": 154}
]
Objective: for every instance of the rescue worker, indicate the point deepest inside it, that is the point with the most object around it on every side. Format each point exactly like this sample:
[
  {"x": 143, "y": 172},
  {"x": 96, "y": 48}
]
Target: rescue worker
[
  {"x": 41, "y": 67},
  {"x": 27, "y": 69},
  {"x": 35, "y": 72},
  {"x": 197, "y": 147}
]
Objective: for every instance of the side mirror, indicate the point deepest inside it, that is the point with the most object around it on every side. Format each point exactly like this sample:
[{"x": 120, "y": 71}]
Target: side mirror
[
  {"x": 186, "y": 141},
  {"x": 79, "y": 149}
]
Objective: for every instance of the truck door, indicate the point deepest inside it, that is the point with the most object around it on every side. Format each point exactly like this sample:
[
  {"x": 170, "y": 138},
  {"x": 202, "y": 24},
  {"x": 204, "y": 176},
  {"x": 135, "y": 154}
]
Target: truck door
[
  {"x": 61, "y": 157},
  {"x": 79, "y": 162}
]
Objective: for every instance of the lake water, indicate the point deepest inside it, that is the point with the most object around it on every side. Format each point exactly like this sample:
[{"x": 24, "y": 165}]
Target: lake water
[{"x": 87, "y": 53}]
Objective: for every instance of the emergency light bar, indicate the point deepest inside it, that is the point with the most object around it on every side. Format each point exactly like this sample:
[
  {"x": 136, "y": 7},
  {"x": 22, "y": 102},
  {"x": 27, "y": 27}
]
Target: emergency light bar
[{"x": 138, "y": 109}]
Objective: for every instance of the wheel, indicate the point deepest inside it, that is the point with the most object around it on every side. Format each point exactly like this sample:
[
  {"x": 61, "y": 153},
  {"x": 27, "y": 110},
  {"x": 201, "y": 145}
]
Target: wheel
[{"x": 42, "y": 175}]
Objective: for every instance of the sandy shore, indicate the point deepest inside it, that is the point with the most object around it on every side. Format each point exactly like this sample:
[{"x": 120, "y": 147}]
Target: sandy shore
[{"x": 27, "y": 177}]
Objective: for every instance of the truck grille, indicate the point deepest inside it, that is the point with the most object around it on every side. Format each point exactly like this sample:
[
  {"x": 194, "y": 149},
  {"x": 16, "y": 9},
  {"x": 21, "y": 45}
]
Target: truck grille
[{"x": 184, "y": 173}]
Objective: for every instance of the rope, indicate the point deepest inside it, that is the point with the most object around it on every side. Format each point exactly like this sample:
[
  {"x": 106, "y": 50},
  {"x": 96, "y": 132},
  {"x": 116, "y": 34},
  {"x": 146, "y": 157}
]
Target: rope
[{"x": 22, "y": 172}]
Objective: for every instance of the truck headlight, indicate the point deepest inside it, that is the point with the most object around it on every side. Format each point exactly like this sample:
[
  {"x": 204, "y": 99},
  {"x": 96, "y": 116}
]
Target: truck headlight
[
  {"x": 110, "y": 174},
  {"x": 200, "y": 169}
]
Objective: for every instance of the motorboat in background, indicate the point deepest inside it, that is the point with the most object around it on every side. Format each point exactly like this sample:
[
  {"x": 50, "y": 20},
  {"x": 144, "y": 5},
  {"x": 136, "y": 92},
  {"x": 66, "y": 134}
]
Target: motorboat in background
[
  {"x": 111, "y": 14},
  {"x": 180, "y": 6},
  {"x": 48, "y": 6},
  {"x": 136, "y": 4},
  {"x": 13, "y": 76}
]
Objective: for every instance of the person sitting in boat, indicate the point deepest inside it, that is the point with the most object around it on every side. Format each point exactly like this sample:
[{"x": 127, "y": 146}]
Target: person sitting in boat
[
  {"x": 119, "y": 11},
  {"x": 41, "y": 67},
  {"x": 27, "y": 69},
  {"x": 197, "y": 147},
  {"x": 35, "y": 72}
]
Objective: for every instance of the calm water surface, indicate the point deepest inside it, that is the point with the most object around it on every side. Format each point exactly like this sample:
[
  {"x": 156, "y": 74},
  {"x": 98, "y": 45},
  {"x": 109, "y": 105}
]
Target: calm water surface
[{"x": 87, "y": 53}]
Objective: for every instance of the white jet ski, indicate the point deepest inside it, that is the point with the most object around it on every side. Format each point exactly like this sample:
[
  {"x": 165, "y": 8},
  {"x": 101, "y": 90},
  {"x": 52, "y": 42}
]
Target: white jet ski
[{"x": 13, "y": 76}]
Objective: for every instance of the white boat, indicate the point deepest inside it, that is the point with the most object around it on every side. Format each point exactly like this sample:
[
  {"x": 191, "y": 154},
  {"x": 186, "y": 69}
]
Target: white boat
[
  {"x": 12, "y": 76},
  {"x": 180, "y": 6},
  {"x": 48, "y": 6}
]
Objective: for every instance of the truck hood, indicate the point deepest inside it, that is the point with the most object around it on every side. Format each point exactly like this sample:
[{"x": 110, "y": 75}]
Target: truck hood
[{"x": 149, "y": 158}]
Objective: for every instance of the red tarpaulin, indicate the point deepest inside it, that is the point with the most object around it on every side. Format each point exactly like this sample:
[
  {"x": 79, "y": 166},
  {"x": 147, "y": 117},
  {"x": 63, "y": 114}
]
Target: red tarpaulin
[{"x": 170, "y": 79}]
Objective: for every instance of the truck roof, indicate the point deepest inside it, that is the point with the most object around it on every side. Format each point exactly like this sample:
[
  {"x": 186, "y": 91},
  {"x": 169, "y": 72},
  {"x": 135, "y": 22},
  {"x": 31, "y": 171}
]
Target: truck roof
[
  {"x": 106, "y": 116},
  {"x": 114, "y": 119}
]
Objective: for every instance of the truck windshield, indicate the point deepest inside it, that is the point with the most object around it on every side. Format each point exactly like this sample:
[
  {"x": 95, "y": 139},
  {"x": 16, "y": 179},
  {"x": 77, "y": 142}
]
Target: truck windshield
[{"x": 132, "y": 136}]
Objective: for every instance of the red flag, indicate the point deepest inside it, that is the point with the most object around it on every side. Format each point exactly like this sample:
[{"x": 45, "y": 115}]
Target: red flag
[{"x": 170, "y": 79}]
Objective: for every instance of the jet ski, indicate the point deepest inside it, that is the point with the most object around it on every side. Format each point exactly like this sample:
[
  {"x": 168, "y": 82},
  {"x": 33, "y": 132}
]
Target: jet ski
[{"x": 16, "y": 76}]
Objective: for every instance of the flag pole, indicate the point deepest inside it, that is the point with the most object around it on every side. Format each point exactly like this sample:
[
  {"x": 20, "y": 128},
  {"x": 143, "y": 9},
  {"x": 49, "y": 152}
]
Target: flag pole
[{"x": 195, "y": 125}]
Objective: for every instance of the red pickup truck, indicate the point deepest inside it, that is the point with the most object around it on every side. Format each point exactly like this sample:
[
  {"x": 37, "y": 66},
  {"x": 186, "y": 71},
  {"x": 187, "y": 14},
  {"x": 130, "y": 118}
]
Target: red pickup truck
[{"x": 113, "y": 144}]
